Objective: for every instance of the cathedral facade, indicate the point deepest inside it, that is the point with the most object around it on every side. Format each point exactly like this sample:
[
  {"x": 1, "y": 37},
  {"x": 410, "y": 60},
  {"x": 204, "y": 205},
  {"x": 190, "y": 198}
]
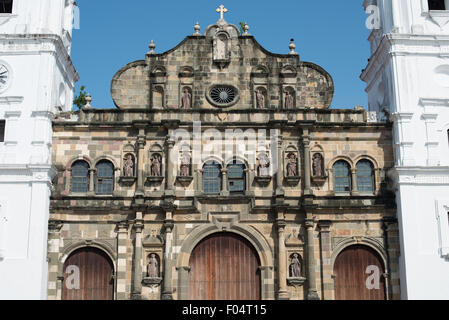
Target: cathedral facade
[{"x": 222, "y": 174}]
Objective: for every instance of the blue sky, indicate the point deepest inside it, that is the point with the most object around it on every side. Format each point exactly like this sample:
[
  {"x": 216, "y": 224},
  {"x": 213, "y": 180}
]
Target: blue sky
[{"x": 329, "y": 33}]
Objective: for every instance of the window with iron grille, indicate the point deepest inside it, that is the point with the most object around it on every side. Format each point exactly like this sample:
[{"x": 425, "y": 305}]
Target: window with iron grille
[
  {"x": 2, "y": 130},
  {"x": 5, "y": 6},
  {"x": 236, "y": 177},
  {"x": 80, "y": 177},
  {"x": 212, "y": 178},
  {"x": 342, "y": 177},
  {"x": 365, "y": 176},
  {"x": 105, "y": 177},
  {"x": 436, "y": 5}
]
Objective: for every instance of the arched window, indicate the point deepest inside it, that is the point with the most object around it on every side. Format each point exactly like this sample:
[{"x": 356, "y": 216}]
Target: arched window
[
  {"x": 80, "y": 176},
  {"x": 212, "y": 178},
  {"x": 5, "y": 6},
  {"x": 236, "y": 177},
  {"x": 342, "y": 177},
  {"x": 436, "y": 5},
  {"x": 105, "y": 177},
  {"x": 365, "y": 176}
]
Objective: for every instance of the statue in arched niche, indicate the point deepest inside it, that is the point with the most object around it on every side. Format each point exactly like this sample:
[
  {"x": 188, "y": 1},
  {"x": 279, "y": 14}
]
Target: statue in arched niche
[
  {"x": 128, "y": 168},
  {"x": 264, "y": 165},
  {"x": 292, "y": 165},
  {"x": 185, "y": 164},
  {"x": 260, "y": 98},
  {"x": 156, "y": 165},
  {"x": 317, "y": 165},
  {"x": 289, "y": 100},
  {"x": 153, "y": 267},
  {"x": 295, "y": 266},
  {"x": 186, "y": 101}
]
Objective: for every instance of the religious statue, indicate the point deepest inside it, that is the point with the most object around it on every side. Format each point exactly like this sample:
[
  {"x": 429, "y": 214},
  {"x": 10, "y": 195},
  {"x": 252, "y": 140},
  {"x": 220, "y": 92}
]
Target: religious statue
[
  {"x": 295, "y": 266},
  {"x": 264, "y": 165},
  {"x": 153, "y": 267},
  {"x": 128, "y": 169},
  {"x": 260, "y": 97},
  {"x": 292, "y": 168},
  {"x": 185, "y": 164},
  {"x": 289, "y": 100},
  {"x": 156, "y": 166},
  {"x": 317, "y": 165},
  {"x": 186, "y": 99}
]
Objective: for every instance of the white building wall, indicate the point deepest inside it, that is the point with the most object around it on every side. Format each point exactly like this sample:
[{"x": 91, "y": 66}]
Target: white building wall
[
  {"x": 408, "y": 78},
  {"x": 35, "y": 46}
]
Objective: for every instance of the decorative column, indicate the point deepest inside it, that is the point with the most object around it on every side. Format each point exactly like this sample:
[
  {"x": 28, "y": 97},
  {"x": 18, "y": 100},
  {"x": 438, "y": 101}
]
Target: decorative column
[
  {"x": 282, "y": 258},
  {"x": 280, "y": 168},
  {"x": 355, "y": 188},
  {"x": 307, "y": 168},
  {"x": 167, "y": 293},
  {"x": 138, "y": 227},
  {"x": 224, "y": 181},
  {"x": 391, "y": 275},
  {"x": 122, "y": 235},
  {"x": 170, "y": 179},
  {"x": 54, "y": 237},
  {"x": 92, "y": 181},
  {"x": 140, "y": 145},
  {"x": 326, "y": 252},
  {"x": 312, "y": 293}
]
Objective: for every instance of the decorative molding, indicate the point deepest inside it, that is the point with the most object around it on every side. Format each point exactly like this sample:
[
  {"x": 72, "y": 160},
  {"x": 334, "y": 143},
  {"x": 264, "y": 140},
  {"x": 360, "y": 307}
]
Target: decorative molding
[
  {"x": 11, "y": 100},
  {"x": 442, "y": 212},
  {"x": 296, "y": 282}
]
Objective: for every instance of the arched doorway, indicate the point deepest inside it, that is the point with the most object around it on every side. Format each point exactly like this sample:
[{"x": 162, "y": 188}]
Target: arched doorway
[
  {"x": 94, "y": 269},
  {"x": 224, "y": 266},
  {"x": 358, "y": 274}
]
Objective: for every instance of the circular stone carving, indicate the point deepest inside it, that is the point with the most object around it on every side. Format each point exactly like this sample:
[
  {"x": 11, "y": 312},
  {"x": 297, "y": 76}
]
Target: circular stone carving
[{"x": 223, "y": 95}]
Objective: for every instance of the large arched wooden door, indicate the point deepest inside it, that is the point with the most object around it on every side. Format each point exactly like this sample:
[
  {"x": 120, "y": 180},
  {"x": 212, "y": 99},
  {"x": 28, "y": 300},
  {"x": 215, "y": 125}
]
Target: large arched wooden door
[
  {"x": 352, "y": 282},
  {"x": 224, "y": 266},
  {"x": 95, "y": 276}
]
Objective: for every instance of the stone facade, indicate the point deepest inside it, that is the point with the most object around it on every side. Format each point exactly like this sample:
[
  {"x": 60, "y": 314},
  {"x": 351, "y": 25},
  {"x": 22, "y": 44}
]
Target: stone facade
[{"x": 168, "y": 215}]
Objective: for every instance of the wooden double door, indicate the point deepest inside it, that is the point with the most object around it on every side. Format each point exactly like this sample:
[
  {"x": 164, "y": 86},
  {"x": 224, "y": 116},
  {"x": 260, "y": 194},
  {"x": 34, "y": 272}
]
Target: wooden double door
[
  {"x": 224, "y": 266},
  {"x": 358, "y": 274},
  {"x": 88, "y": 275}
]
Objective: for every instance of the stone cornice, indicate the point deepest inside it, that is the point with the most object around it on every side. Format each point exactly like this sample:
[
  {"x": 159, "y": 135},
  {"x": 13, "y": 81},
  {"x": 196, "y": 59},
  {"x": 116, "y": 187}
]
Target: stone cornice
[{"x": 420, "y": 175}]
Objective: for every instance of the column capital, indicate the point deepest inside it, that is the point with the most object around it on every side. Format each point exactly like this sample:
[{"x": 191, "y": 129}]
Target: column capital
[
  {"x": 171, "y": 124},
  {"x": 122, "y": 226},
  {"x": 281, "y": 224},
  {"x": 138, "y": 225},
  {"x": 169, "y": 225},
  {"x": 169, "y": 143},
  {"x": 324, "y": 225},
  {"x": 309, "y": 223},
  {"x": 55, "y": 226}
]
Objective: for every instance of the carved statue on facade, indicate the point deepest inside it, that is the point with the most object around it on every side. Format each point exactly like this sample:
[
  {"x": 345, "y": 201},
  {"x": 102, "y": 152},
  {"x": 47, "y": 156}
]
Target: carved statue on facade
[
  {"x": 292, "y": 165},
  {"x": 186, "y": 99},
  {"x": 264, "y": 165},
  {"x": 153, "y": 267},
  {"x": 185, "y": 164},
  {"x": 289, "y": 100},
  {"x": 295, "y": 266},
  {"x": 156, "y": 166},
  {"x": 317, "y": 165},
  {"x": 128, "y": 169},
  {"x": 260, "y": 97}
]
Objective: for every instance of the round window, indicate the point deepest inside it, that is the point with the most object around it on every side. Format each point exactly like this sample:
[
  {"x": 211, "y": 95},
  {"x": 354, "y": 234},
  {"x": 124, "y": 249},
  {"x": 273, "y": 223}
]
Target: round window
[{"x": 223, "y": 95}]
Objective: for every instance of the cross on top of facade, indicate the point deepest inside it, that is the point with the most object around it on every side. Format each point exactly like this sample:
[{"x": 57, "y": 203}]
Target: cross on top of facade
[{"x": 222, "y": 10}]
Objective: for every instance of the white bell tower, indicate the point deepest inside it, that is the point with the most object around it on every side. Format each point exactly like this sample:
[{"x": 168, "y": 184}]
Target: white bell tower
[
  {"x": 407, "y": 79},
  {"x": 37, "y": 79}
]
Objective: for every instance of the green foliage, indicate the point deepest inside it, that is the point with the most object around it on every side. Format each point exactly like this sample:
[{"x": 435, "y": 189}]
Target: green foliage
[
  {"x": 80, "y": 100},
  {"x": 242, "y": 27}
]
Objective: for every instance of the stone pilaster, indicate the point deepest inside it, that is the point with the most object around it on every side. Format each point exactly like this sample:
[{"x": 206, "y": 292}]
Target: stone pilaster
[
  {"x": 140, "y": 145},
  {"x": 137, "y": 286},
  {"x": 280, "y": 168},
  {"x": 312, "y": 293},
  {"x": 122, "y": 235},
  {"x": 326, "y": 253},
  {"x": 391, "y": 236},
  {"x": 170, "y": 177},
  {"x": 167, "y": 293},
  {"x": 307, "y": 164},
  {"x": 282, "y": 258}
]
